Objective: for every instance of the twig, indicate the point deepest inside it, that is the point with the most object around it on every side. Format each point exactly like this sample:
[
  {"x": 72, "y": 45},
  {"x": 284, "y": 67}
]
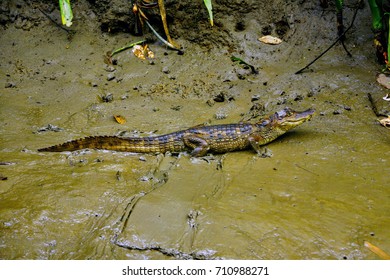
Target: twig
[
  {"x": 162, "y": 39},
  {"x": 127, "y": 47},
  {"x": 70, "y": 32},
  {"x": 164, "y": 21},
  {"x": 345, "y": 48},
  {"x": 331, "y": 46}
]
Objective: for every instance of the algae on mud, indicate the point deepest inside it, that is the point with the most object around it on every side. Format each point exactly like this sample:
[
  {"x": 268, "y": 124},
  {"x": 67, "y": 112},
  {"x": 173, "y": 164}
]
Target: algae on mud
[{"x": 322, "y": 194}]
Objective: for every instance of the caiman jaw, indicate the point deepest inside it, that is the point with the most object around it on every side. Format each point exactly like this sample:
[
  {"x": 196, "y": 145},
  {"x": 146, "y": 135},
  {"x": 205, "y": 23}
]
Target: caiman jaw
[{"x": 288, "y": 118}]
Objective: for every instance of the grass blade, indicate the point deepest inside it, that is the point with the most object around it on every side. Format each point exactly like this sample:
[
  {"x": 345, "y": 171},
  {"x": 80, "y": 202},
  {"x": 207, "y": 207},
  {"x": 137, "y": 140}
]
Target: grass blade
[
  {"x": 210, "y": 10},
  {"x": 66, "y": 12}
]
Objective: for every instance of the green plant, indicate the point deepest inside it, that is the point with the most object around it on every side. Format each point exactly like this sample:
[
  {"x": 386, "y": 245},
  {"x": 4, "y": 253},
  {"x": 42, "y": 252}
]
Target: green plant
[
  {"x": 210, "y": 10},
  {"x": 66, "y": 12}
]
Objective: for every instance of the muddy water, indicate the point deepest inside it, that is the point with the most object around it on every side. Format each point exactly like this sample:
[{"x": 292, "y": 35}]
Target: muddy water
[{"x": 324, "y": 191}]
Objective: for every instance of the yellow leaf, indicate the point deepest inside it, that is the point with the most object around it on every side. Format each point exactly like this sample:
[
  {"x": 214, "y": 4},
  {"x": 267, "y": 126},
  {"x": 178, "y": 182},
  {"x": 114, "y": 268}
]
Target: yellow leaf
[
  {"x": 377, "y": 250},
  {"x": 120, "y": 119},
  {"x": 142, "y": 52}
]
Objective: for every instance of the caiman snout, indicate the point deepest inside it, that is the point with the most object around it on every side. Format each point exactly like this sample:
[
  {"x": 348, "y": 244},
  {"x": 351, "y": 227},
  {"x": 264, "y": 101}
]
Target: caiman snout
[
  {"x": 288, "y": 118},
  {"x": 305, "y": 114}
]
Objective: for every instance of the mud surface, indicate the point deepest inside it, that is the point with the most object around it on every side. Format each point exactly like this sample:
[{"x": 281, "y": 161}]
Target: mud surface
[{"x": 324, "y": 191}]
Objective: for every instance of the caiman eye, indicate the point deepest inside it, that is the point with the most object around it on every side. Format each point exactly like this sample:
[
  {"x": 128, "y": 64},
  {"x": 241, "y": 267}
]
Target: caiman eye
[{"x": 281, "y": 114}]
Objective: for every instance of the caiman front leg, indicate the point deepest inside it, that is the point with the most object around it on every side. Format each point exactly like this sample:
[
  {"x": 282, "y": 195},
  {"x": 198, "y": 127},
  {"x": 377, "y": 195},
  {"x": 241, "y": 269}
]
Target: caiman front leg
[
  {"x": 262, "y": 151},
  {"x": 198, "y": 145}
]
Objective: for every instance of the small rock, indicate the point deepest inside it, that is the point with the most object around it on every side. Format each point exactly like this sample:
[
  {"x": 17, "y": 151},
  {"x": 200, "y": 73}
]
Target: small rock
[
  {"x": 110, "y": 77},
  {"x": 347, "y": 108},
  {"x": 336, "y": 112},
  {"x": 255, "y": 97},
  {"x": 10, "y": 85},
  {"x": 220, "y": 97},
  {"x": 142, "y": 158},
  {"x": 210, "y": 102},
  {"x": 176, "y": 108},
  {"x": 298, "y": 97},
  {"x": 107, "y": 97},
  {"x": 50, "y": 127},
  {"x": 220, "y": 115},
  {"x": 165, "y": 70},
  {"x": 109, "y": 68}
]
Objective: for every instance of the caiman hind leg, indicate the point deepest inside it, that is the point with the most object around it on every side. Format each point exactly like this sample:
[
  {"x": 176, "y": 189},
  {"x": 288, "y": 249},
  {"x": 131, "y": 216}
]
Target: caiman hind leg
[{"x": 197, "y": 144}]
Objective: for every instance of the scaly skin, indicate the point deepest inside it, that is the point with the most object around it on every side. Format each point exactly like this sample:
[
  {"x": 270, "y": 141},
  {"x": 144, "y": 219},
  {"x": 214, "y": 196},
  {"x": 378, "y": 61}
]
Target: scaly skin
[{"x": 198, "y": 140}]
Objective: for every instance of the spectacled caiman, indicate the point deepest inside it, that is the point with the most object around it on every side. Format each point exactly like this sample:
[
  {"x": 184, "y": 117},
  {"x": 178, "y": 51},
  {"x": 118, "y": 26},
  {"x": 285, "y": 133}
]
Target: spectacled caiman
[{"x": 197, "y": 140}]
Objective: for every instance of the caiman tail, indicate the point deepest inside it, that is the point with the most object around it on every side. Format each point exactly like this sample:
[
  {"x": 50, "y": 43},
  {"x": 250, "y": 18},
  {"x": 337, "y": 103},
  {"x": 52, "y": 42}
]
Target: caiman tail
[{"x": 121, "y": 144}]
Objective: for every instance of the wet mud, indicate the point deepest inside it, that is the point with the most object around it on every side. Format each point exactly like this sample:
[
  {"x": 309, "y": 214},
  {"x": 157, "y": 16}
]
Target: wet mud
[{"x": 322, "y": 193}]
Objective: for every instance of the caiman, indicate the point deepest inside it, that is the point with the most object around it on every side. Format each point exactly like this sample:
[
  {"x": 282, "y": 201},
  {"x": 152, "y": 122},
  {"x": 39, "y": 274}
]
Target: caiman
[{"x": 198, "y": 140}]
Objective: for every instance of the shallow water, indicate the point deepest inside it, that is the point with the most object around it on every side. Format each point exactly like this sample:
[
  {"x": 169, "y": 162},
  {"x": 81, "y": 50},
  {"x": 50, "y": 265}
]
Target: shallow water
[{"x": 324, "y": 191}]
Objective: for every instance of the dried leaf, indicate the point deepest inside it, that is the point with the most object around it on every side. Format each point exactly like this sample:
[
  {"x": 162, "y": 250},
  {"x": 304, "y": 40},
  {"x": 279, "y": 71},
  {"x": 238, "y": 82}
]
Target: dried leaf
[
  {"x": 382, "y": 254},
  {"x": 120, "y": 119},
  {"x": 149, "y": 53},
  {"x": 385, "y": 122},
  {"x": 271, "y": 40},
  {"x": 142, "y": 52},
  {"x": 383, "y": 80},
  {"x": 164, "y": 21},
  {"x": 138, "y": 51}
]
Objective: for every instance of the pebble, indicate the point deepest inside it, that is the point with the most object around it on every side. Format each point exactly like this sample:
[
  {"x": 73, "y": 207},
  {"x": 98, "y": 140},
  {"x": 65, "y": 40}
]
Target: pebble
[
  {"x": 109, "y": 68},
  {"x": 336, "y": 112},
  {"x": 10, "y": 85},
  {"x": 255, "y": 97},
  {"x": 110, "y": 77},
  {"x": 165, "y": 70},
  {"x": 142, "y": 158}
]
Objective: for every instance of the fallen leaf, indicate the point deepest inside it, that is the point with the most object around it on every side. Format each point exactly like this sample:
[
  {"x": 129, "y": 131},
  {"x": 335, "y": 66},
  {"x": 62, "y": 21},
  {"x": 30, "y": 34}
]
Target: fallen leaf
[
  {"x": 271, "y": 40},
  {"x": 382, "y": 254},
  {"x": 142, "y": 52},
  {"x": 385, "y": 122},
  {"x": 138, "y": 51},
  {"x": 120, "y": 119},
  {"x": 383, "y": 80}
]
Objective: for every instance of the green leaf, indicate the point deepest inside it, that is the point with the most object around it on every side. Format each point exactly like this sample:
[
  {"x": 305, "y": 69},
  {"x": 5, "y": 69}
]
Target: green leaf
[
  {"x": 210, "y": 10},
  {"x": 66, "y": 12}
]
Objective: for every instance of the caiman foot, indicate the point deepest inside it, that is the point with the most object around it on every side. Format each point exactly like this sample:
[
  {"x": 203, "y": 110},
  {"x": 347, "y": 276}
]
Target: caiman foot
[
  {"x": 264, "y": 152},
  {"x": 260, "y": 150}
]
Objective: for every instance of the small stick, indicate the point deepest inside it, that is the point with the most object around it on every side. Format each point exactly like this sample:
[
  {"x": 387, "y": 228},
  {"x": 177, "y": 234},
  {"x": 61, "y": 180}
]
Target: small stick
[
  {"x": 345, "y": 48},
  {"x": 162, "y": 39},
  {"x": 70, "y": 32},
  {"x": 331, "y": 46},
  {"x": 127, "y": 47}
]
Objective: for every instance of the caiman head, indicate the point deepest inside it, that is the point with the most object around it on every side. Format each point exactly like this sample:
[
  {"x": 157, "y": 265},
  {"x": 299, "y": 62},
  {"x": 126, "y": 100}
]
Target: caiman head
[
  {"x": 281, "y": 122},
  {"x": 287, "y": 118}
]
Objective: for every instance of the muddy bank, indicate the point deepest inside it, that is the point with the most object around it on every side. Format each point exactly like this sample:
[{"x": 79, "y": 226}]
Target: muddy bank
[{"x": 323, "y": 192}]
